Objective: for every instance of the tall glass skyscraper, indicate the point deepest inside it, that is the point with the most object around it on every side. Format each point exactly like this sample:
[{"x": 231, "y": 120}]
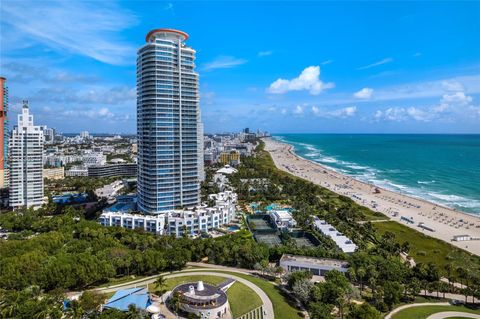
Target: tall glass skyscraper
[{"x": 168, "y": 123}]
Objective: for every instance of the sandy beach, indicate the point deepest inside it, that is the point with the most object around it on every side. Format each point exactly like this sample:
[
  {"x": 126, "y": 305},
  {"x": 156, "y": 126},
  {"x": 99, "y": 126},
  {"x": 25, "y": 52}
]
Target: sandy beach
[{"x": 440, "y": 222}]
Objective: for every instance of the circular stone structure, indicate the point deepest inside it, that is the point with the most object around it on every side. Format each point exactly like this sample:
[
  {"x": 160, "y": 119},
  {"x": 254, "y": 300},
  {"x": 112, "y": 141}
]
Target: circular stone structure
[{"x": 204, "y": 300}]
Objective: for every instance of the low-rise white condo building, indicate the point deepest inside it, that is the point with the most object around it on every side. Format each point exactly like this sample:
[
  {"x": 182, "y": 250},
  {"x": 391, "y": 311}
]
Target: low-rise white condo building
[
  {"x": 342, "y": 241},
  {"x": 192, "y": 221},
  {"x": 316, "y": 266},
  {"x": 283, "y": 219}
]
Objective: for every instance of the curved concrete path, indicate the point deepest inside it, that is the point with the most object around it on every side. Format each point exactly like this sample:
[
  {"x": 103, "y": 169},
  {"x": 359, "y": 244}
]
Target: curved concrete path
[
  {"x": 394, "y": 311},
  {"x": 449, "y": 314}
]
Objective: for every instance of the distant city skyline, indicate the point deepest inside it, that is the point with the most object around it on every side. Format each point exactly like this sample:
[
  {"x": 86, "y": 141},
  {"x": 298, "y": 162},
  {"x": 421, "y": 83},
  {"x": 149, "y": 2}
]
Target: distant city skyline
[{"x": 283, "y": 67}]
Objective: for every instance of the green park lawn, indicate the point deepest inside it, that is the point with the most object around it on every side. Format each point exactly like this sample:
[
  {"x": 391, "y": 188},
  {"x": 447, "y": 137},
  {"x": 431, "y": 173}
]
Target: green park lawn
[
  {"x": 424, "y": 312},
  {"x": 242, "y": 299},
  {"x": 425, "y": 249},
  {"x": 119, "y": 280},
  {"x": 171, "y": 283}
]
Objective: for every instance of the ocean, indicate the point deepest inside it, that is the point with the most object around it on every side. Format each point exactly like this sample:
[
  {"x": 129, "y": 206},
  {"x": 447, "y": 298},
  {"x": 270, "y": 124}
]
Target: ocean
[{"x": 444, "y": 169}]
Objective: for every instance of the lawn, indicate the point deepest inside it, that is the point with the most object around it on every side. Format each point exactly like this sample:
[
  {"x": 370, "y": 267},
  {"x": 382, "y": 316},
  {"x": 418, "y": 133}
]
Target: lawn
[
  {"x": 119, "y": 280},
  {"x": 425, "y": 249},
  {"x": 173, "y": 282},
  {"x": 424, "y": 312},
  {"x": 281, "y": 304},
  {"x": 242, "y": 299}
]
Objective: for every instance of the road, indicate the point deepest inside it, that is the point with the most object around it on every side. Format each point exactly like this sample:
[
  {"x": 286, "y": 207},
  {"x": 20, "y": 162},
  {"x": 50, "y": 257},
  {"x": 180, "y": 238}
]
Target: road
[{"x": 450, "y": 296}]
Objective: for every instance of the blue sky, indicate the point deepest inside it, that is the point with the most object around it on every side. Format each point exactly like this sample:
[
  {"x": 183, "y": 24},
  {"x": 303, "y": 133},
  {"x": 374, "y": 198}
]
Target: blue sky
[{"x": 341, "y": 67}]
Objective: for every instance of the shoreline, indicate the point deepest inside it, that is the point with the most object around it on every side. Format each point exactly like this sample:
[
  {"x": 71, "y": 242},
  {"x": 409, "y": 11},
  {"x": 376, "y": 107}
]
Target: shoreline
[
  {"x": 407, "y": 210},
  {"x": 291, "y": 150}
]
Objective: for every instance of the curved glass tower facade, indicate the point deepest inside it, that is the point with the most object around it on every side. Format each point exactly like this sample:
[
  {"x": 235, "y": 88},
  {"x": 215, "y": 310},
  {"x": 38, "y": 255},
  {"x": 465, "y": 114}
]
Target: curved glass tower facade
[{"x": 168, "y": 121}]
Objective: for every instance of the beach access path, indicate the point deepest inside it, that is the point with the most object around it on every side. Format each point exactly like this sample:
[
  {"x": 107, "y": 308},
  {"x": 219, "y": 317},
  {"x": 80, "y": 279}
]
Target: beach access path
[{"x": 401, "y": 208}]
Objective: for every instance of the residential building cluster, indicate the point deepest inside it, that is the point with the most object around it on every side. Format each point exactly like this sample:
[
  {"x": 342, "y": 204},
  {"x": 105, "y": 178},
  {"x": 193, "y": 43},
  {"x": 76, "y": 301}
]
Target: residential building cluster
[
  {"x": 190, "y": 221},
  {"x": 227, "y": 149},
  {"x": 167, "y": 156}
]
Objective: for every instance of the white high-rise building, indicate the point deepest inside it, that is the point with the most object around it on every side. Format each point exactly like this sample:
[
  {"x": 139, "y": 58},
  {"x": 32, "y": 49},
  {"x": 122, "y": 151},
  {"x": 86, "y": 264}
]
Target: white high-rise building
[
  {"x": 84, "y": 135},
  {"x": 168, "y": 119},
  {"x": 26, "y": 162}
]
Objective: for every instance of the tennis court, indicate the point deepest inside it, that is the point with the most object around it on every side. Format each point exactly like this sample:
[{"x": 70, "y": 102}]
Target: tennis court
[
  {"x": 303, "y": 242},
  {"x": 260, "y": 224},
  {"x": 268, "y": 239}
]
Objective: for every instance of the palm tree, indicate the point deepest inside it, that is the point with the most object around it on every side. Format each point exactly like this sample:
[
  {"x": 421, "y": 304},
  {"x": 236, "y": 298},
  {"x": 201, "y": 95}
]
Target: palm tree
[
  {"x": 175, "y": 302},
  {"x": 9, "y": 304},
  {"x": 449, "y": 269},
  {"x": 160, "y": 284},
  {"x": 133, "y": 312},
  {"x": 75, "y": 311},
  {"x": 361, "y": 273}
]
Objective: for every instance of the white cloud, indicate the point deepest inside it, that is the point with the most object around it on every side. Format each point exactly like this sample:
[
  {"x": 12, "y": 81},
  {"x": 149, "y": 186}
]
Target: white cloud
[
  {"x": 308, "y": 80},
  {"x": 469, "y": 84},
  {"x": 223, "y": 62},
  {"x": 451, "y": 106},
  {"x": 86, "y": 28},
  {"x": 365, "y": 93},
  {"x": 93, "y": 95},
  {"x": 419, "y": 114},
  {"x": 475, "y": 110},
  {"x": 396, "y": 114},
  {"x": 337, "y": 113},
  {"x": 384, "y": 61},
  {"x": 450, "y": 85},
  {"x": 207, "y": 97},
  {"x": 298, "y": 110},
  {"x": 265, "y": 53},
  {"x": 327, "y": 62},
  {"x": 459, "y": 98},
  {"x": 102, "y": 113},
  {"x": 402, "y": 114},
  {"x": 28, "y": 72},
  {"x": 344, "y": 112}
]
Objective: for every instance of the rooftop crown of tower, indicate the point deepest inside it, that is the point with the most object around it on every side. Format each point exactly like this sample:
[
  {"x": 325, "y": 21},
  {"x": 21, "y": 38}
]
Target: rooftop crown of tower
[{"x": 166, "y": 33}]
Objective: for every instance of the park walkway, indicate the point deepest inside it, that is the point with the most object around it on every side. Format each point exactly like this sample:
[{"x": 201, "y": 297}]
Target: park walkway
[
  {"x": 451, "y": 314},
  {"x": 394, "y": 311}
]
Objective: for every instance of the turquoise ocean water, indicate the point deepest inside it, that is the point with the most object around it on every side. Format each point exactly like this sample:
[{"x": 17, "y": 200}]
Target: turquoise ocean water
[{"x": 444, "y": 169}]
